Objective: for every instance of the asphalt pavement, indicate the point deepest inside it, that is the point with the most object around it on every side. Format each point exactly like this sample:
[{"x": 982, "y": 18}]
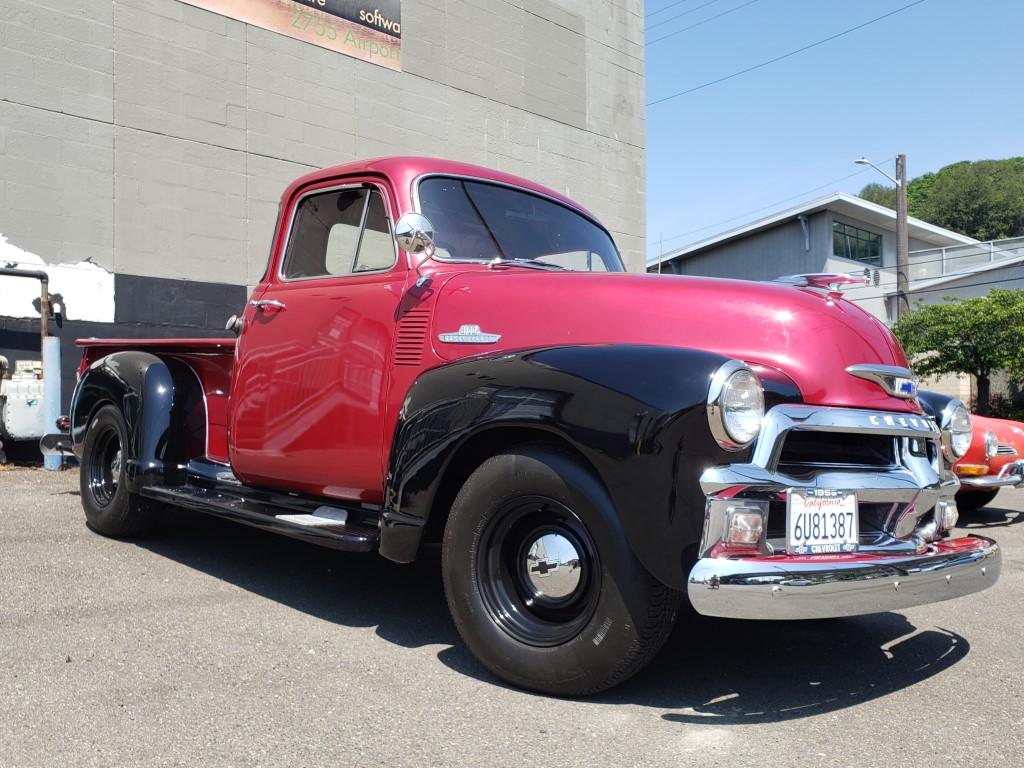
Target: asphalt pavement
[{"x": 213, "y": 644}]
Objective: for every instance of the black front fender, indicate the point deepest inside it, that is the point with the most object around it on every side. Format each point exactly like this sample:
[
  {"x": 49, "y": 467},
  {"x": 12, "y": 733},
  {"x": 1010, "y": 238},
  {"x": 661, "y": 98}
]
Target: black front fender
[{"x": 635, "y": 414}]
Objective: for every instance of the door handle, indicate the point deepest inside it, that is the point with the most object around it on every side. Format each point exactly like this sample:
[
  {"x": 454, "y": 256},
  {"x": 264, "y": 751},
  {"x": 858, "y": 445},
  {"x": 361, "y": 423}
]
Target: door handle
[{"x": 268, "y": 305}]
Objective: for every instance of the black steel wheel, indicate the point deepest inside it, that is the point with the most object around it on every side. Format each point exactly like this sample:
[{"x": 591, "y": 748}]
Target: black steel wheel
[
  {"x": 537, "y": 571},
  {"x": 110, "y": 509},
  {"x": 541, "y": 582}
]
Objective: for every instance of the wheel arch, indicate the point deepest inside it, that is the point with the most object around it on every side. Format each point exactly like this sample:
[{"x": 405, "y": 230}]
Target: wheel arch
[
  {"x": 162, "y": 405},
  {"x": 632, "y": 415},
  {"x": 484, "y": 444}
]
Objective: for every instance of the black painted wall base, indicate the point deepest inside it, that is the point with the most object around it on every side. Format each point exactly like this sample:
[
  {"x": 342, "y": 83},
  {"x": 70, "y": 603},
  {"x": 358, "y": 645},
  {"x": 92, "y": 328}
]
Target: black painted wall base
[{"x": 144, "y": 307}]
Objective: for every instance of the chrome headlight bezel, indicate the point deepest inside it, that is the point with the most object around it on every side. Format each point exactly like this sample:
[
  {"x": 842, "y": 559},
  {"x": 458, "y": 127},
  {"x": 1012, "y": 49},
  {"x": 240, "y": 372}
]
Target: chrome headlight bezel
[
  {"x": 732, "y": 429},
  {"x": 957, "y": 428}
]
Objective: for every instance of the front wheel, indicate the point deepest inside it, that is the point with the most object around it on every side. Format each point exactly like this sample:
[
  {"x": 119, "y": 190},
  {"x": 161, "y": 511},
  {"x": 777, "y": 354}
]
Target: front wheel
[
  {"x": 109, "y": 507},
  {"x": 541, "y": 582}
]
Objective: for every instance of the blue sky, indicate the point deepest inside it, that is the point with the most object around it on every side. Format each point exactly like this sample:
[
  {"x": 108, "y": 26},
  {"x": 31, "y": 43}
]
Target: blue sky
[{"x": 942, "y": 81}]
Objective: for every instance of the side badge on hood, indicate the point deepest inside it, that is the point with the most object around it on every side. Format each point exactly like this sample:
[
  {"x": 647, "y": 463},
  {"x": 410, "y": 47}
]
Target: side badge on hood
[
  {"x": 469, "y": 334},
  {"x": 896, "y": 381}
]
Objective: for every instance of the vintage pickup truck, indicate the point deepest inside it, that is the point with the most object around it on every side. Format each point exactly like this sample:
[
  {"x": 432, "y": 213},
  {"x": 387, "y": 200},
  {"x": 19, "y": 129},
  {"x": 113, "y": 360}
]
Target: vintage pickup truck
[{"x": 441, "y": 352}]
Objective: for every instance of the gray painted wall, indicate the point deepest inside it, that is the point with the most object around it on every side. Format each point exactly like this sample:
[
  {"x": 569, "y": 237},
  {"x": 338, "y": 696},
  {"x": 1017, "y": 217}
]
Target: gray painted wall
[
  {"x": 765, "y": 255},
  {"x": 155, "y": 138}
]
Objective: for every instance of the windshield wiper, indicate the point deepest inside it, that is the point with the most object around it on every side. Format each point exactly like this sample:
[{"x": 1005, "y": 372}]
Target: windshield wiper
[{"x": 520, "y": 262}]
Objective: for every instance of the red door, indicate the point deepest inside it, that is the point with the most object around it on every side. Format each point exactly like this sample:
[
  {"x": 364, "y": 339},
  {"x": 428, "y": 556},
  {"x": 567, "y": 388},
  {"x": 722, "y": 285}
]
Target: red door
[{"x": 310, "y": 384}]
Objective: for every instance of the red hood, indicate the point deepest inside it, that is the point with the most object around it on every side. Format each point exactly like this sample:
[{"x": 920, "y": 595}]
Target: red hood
[{"x": 800, "y": 331}]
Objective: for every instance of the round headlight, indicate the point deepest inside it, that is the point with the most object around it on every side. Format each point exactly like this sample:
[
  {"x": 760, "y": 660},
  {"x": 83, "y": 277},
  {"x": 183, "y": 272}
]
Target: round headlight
[
  {"x": 991, "y": 444},
  {"x": 735, "y": 405},
  {"x": 956, "y": 422}
]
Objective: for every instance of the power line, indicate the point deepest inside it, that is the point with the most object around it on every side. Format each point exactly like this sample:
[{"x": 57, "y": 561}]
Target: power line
[
  {"x": 766, "y": 207},
  {"x": 662, "y": 10},
  {"x": 700, "y": 23},
  {"x": 680, "y": 15},
  {"x": 785, "y": 55}
]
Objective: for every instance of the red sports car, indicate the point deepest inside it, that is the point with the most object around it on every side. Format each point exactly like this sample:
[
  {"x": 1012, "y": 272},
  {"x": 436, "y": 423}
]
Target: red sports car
[{"x": 995, "y": 460}]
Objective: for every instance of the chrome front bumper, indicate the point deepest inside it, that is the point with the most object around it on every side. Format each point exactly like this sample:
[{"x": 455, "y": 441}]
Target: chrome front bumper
[
  {"x": 822, "y": 587},
  {"x": 1010, "y": 475},
  {"x": 906, "y": 562}
]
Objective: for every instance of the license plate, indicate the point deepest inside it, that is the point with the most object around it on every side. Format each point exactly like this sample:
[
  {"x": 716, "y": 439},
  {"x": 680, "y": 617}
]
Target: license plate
[{"x": 821, "y": 520}]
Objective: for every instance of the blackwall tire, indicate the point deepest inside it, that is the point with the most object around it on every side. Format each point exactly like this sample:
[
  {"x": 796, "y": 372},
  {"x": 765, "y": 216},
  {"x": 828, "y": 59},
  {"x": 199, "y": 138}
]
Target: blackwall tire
[
  {"x": 972, "y": 501},
  {"x": 109, "y": 507},
  {"x": 588, "y": 627}
]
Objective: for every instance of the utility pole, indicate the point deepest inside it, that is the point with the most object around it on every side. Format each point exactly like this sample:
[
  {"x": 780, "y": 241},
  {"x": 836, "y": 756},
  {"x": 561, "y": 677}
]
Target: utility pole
[{"x": 902, "y": 236}]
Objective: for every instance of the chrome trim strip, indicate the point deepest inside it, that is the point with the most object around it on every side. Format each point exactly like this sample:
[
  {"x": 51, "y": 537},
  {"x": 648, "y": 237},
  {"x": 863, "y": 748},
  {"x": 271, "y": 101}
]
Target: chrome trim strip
[
  {"x": 469, "y": 334},
  {"x": 755, "y": 588},
  {"x": 891, "y": 378}
]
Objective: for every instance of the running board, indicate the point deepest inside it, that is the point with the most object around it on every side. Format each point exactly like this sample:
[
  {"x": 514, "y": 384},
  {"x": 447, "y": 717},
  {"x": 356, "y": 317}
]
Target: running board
[{"x": 329, "y": 525}]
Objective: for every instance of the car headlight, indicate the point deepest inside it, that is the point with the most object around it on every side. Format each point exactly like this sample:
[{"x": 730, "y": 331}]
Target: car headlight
[
  {"x": 956, "y": 428},
  {"x": 735, "y": 405},
  {"x": 991, "y": 444}
]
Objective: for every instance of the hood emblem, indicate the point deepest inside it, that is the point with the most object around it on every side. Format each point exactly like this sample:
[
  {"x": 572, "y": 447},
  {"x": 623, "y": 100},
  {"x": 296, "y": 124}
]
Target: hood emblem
[
  {"x": 469, "y": 334},
  {"x": 896, "y": 381}
]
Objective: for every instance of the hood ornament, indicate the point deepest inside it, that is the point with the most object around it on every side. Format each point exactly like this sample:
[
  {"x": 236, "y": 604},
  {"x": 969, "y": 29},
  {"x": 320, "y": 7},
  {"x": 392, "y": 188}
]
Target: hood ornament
[
  {"x": 896, "y": 381},
  {"x": 830, "y": 280},
  {"x": 469, "y": 334}
]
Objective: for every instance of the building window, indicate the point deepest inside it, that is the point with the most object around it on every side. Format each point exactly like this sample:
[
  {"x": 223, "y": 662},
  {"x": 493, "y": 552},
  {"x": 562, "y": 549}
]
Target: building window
[{"x": 857, "y": 244}]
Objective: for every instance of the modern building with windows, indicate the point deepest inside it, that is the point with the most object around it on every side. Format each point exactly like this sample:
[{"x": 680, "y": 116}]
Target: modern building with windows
[
  {"x": 836, "y": 233},
  {"x": 144, "y": 144}
]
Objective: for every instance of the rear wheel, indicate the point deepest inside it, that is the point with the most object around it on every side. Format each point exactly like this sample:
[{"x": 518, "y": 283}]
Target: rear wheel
[
  {"x": 541, "y": 582},
  {"x": 109, "y": 508},
  {"x": 971, "y": 501}
]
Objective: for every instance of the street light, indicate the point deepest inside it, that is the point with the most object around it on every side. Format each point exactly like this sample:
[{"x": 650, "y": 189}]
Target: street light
[{"x": 902, "y": 235}]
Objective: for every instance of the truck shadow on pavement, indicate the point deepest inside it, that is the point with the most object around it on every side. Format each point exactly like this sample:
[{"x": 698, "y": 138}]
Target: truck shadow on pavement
[
  {"x": 710, "y": 671},
  {"x": 989, "y": 517},
  {"x": 406, "y": 603},
  {"x": 734, "y": 672}
]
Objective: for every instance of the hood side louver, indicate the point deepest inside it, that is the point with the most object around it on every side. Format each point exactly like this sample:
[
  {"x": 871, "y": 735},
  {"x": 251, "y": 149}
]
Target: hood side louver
[{"x": 411, "y": 336}]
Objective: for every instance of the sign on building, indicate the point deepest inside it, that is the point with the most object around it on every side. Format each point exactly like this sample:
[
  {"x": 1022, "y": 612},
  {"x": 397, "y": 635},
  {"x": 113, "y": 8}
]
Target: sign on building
[{"x": 366, "y": 29}]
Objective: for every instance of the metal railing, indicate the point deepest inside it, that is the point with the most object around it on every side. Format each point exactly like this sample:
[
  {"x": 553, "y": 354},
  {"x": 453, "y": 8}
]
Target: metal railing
[{"x": 939, "y": 262}]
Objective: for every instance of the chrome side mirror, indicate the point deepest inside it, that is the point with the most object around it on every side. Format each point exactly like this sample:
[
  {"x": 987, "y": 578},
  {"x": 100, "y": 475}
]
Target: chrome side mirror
[{"x": 415, "y": 234}]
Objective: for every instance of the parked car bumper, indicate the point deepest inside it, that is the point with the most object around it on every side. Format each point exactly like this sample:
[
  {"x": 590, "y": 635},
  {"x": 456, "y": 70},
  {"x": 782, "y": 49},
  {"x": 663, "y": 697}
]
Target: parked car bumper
[
  {"x": 1011, "y": 475},
  {"x": 815, "y": 588}
]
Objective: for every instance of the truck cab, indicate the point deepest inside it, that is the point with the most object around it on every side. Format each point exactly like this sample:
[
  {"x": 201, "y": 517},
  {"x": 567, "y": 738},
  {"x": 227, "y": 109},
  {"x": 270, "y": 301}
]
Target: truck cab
[{"x": 439, "y": 351}]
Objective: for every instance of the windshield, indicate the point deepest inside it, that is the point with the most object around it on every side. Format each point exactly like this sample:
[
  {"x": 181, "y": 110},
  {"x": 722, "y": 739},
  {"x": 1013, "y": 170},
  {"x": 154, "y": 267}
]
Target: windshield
[{"x": 479, "y": 221}]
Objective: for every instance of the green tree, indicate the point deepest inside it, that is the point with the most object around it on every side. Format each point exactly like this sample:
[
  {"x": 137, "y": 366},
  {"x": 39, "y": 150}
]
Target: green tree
[
  {"x": 880, "y": 194},
  {"x": 976, "y": 336},
  {"x": 983, "y": 199}
]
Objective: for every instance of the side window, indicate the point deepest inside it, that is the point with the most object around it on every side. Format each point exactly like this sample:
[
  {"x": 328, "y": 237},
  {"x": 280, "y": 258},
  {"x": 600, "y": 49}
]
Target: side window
[{"x": 338, "y": 233}]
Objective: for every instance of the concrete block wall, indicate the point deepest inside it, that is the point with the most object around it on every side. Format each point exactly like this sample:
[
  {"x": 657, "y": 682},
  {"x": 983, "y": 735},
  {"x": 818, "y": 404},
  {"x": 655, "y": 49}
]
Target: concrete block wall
[{"x": 154, "y": 138}]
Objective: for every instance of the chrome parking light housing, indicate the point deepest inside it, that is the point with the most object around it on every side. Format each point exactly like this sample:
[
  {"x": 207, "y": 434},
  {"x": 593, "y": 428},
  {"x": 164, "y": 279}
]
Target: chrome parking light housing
[
  {"x": 735, "y": 405},
  {"x": 991, "y": 444}
]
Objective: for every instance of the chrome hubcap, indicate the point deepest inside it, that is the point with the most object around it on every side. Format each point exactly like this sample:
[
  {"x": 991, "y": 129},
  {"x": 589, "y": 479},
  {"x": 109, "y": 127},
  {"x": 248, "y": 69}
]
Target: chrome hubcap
[
  {"x": 115, "y": 468},
  {"x": 553, "y": 566}
]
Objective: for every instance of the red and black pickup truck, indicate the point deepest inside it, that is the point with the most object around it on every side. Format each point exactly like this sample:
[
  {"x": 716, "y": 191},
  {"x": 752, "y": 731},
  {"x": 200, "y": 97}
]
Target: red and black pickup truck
[{"x": 441, "y": 352}]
